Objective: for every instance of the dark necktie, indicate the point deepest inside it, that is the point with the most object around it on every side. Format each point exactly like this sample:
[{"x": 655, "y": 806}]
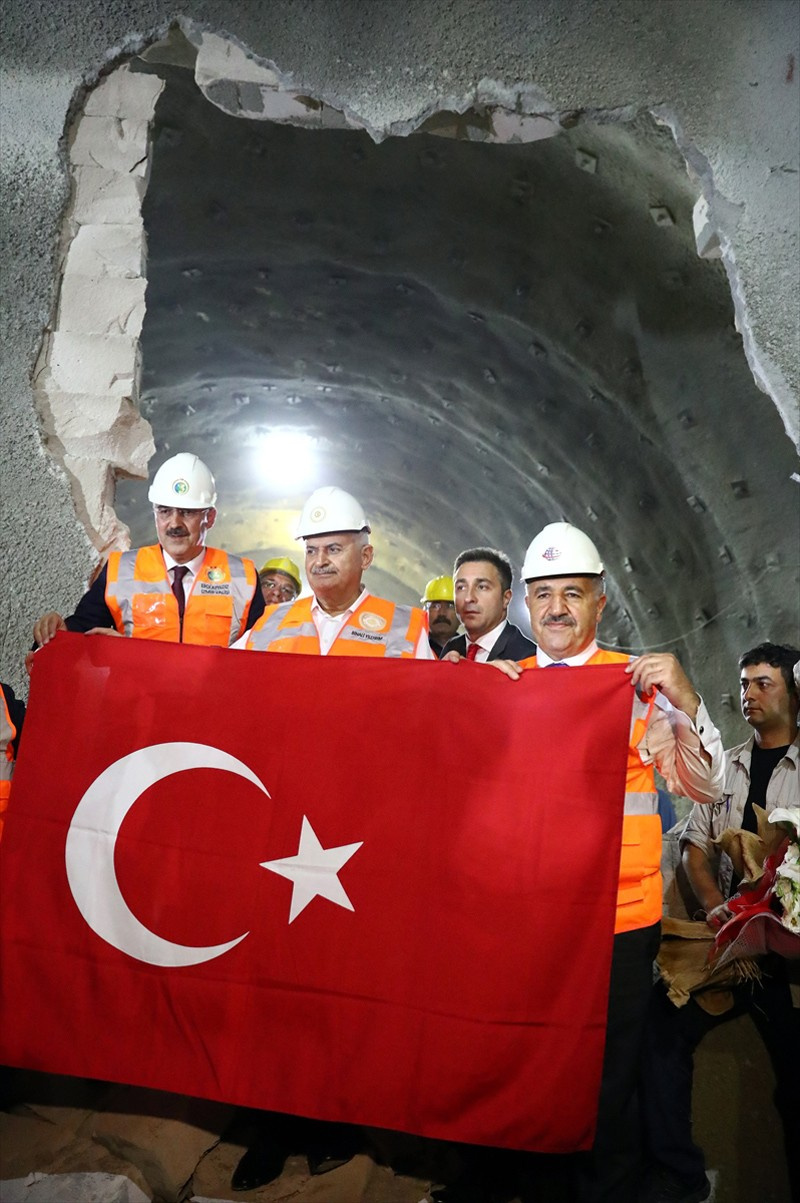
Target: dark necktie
[
  {"x": 178, "y": 573},
  {"x": 472, "y": 651},
  {"x": 557, "y": 664}
]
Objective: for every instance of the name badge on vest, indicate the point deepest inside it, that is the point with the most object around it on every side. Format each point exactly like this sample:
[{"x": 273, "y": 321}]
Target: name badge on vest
[
  {"x": 369, "y": 636},
  {"x": 204, "y": 588}
]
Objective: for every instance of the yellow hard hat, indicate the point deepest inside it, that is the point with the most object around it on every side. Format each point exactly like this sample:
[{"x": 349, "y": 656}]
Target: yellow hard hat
[
  {"x": 439, "y": 588},
  {"x": 286, "y": 566}
]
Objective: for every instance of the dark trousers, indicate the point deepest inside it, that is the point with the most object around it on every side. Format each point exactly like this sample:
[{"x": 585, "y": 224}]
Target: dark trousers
[
  {"x": 610, "y": 1173},
  {"x": 673, "y": 1033}
]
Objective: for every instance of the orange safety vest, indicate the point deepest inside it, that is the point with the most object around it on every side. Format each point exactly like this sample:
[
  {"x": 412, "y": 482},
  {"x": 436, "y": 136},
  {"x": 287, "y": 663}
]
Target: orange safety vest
[
  {"x": 375, "y": 628},
  {"x": 640, "y": 889},
  {"x": 143, "y": 606},
  {"x": 8, "y": 733}
]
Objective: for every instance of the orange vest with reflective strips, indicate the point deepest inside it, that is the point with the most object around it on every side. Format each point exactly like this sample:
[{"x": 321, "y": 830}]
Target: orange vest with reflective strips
[
  {"x": 376, "y": 628},
  {"x": 639, "y": 894},
  {"x": 8, "y": 733},
  {"x": 143, "y": 606}
]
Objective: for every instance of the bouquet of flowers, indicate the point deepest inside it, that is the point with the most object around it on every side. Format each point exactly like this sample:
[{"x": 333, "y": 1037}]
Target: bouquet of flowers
[
  {"x": 766, "y": 911},
  {"x": 787, "y": 883}
]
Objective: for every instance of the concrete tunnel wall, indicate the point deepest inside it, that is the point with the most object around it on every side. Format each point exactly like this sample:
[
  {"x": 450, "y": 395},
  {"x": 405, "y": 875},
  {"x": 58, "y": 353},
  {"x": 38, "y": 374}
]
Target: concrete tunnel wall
[{"x": 722, "y": 75}]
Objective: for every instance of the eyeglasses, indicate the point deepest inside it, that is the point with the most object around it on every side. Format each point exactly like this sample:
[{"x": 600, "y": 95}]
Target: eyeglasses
[
  {"x": 287, "y": 592},
  {"x": 166, "y": 511}
]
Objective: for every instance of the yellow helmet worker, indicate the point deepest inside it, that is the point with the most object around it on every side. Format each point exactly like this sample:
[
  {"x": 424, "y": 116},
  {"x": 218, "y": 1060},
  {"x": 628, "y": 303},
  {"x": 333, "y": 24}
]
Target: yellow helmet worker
[
  {"x": 280, "y": 580},
  {"x": 438, "y": 600}
]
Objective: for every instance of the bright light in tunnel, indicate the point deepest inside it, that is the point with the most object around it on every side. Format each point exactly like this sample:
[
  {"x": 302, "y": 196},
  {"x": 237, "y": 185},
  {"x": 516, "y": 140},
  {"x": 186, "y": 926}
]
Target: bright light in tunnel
[{"x": 286, "y": 459}]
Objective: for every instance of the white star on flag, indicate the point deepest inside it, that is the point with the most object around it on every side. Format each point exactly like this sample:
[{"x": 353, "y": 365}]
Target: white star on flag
[{"x": 314, "y": 871}]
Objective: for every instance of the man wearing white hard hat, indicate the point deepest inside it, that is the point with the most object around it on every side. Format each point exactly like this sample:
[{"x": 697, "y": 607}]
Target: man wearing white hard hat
[
  {"x": 341, "y": 618},
  {"x": 671, "y": 731},
  {"x": 177, "y": 590}
]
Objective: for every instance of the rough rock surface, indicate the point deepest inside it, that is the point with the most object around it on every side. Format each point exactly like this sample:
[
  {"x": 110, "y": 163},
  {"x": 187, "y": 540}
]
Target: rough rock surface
[
  {"x": 165, "y": 1146},
  {"x": 45, "y": 1137}
]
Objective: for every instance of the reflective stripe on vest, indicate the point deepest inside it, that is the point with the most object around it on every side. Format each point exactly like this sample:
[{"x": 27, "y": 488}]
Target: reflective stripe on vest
[
  {"x": 376, "y": 628},
  {"x": 140, "y": 598},
  {"x": 8, "y": 733},
  {"x": 639, "y": 895}
]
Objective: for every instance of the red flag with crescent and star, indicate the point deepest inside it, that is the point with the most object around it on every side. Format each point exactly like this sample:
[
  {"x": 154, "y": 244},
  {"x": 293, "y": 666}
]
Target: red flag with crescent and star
[{"x": 377, "y": 891}]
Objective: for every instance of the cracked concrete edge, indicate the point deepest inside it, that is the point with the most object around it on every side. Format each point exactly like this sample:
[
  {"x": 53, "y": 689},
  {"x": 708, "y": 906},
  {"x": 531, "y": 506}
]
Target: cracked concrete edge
[
  {"x": 214, "y": 64},
  {"x": 724, "y": 218},
  {"x": 521, "y": 97},
  {"x": 73, "y": 420}
]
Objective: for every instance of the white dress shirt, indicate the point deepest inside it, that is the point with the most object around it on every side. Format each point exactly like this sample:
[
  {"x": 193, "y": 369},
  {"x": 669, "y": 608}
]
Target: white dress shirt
[
  {"x": 486, "y": 642},
  {"x": 675, "y": 744},
  {"x": 193, "y": 566},
  {"x": 329, "y": 625},
  {"x": 544, "y": 661}
]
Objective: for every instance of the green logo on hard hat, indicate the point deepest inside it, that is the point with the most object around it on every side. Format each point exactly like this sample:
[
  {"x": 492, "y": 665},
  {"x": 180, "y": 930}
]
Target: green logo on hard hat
[{"x": 180, "y": 486}]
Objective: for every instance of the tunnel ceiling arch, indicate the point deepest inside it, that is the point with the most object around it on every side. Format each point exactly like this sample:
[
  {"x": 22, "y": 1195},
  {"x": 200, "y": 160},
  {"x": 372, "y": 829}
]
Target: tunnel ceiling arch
[{"x": 477, "y": 338}]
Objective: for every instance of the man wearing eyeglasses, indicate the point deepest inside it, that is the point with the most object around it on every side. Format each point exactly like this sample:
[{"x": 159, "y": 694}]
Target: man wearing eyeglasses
[
  {"x": 177, "y": 590},
  {"x": 280, "y": 581}
]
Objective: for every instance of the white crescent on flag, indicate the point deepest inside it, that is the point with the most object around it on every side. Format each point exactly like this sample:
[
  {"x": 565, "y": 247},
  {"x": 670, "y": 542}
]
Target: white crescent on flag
[{"x": 92, "y": 838}]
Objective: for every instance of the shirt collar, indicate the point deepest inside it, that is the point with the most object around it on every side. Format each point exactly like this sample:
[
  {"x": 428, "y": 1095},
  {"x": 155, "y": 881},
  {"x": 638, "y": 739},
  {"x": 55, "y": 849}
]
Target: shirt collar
[
  {"x": 316, "y": 608},
  {"x": 194, "y": 565},
  {"x": 743, "y": 752},
  {"x": 489, "y": 638},
  {"x": 543, "y": 660}
]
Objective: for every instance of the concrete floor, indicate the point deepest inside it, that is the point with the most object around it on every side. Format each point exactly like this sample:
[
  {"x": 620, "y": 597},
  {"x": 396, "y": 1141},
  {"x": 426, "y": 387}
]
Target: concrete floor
[{"x": 49, "y": 1124}]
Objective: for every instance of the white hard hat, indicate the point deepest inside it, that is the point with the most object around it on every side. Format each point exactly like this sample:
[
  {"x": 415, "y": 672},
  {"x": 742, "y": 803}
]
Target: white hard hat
[
  {"x": 183, "y": 481},
  {"x": 330, "y": 509},
  {"x": 561, "y": 550}
]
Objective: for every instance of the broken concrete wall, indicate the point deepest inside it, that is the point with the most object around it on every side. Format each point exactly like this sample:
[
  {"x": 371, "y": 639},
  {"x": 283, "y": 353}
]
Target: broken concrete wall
[
  {"x": 87, "y": 376},
  {"x": 720, "y": 73}
]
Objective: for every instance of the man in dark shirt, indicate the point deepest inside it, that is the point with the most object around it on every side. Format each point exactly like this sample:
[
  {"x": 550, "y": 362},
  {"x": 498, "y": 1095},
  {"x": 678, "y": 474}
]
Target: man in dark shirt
[{"x": 763, "y": 771}]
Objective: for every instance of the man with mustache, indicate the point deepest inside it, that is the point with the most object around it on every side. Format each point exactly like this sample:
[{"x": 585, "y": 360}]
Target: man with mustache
[
  {"x": 440, "y": 608},
  {"x": 178, "y": 590},
  {"x": 671, "y": 731},
  {"x": 340, "y": 618},
  {"x": 483, "y": 595}
]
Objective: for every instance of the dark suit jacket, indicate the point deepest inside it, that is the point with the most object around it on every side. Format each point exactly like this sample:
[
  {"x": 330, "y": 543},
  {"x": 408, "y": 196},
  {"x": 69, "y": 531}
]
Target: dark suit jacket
[{"x": 512, "y": 645}]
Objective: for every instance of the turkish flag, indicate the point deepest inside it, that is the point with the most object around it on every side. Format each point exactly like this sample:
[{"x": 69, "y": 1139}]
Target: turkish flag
[{"x": 379, "y": 891}]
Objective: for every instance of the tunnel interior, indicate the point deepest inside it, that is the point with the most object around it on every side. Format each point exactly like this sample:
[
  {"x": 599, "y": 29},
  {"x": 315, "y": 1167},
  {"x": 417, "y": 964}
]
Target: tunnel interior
[{"x": 474, "y": 338}]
